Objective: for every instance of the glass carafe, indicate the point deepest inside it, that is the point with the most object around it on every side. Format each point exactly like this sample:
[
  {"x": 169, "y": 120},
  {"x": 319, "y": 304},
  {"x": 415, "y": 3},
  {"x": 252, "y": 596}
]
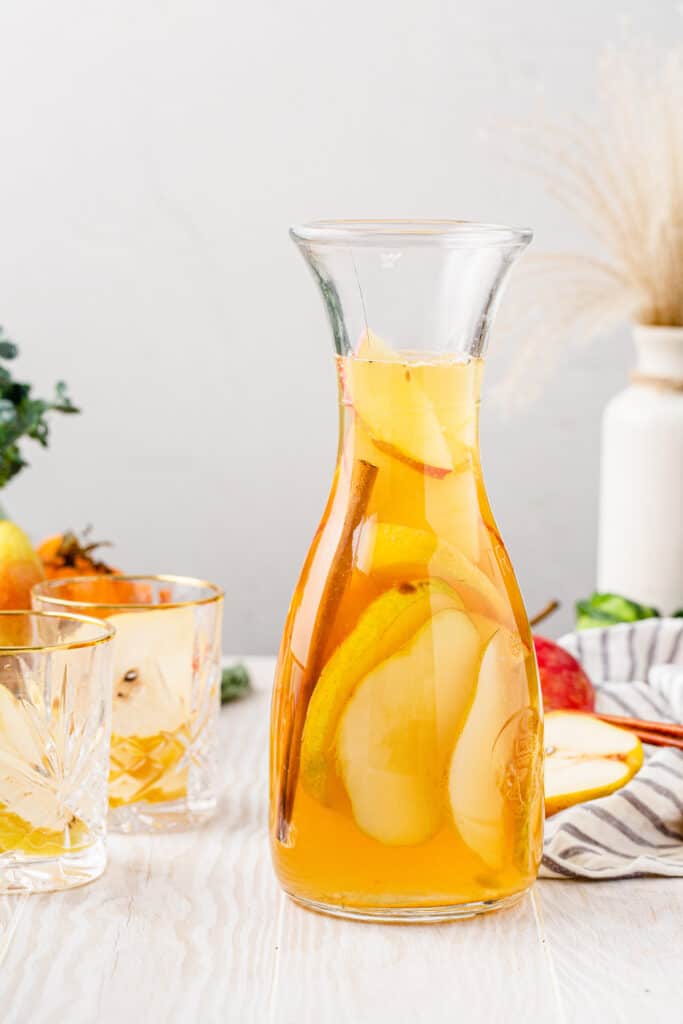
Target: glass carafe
[{"x": 406, "y": 742}]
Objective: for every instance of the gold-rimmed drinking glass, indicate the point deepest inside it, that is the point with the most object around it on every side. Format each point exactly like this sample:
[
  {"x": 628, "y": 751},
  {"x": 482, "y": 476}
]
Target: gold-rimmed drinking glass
[
  {"x": 166, "y": 692},
  {"x": 55, "y": 709}
]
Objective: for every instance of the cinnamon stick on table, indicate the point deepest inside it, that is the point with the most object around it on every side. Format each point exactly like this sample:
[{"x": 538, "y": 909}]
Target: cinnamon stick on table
[
  {"x": 363, "y": 477},
  {"x": 659, "y": 734},
  {"x": 658, "y": 739}
]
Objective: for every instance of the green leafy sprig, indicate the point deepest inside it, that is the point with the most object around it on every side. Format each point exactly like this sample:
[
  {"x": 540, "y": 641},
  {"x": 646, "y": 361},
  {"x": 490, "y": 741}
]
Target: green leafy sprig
[
  {"x": 612, "y": 609},
  {"x": 22, "y": 415},
  {"x": 235, "y": 683}
]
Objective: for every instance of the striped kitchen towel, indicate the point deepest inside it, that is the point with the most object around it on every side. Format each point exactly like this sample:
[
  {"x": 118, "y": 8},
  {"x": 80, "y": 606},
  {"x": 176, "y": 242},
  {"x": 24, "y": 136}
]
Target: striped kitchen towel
[{"x": 637, "y": 669}]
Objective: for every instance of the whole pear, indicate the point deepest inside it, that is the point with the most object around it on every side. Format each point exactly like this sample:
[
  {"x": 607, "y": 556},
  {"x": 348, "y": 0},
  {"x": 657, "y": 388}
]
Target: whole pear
[{"x": 20, "y": 567}]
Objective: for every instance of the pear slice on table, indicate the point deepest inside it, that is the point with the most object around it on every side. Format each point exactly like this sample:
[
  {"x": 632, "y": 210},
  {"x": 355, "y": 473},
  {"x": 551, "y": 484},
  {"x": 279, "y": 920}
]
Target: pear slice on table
[
  {"x": 383, "y": 628},
  {"x": 398, "y": 728},
  {"x": 586, "y": 759},
  {"x": 391, "y": 546}
]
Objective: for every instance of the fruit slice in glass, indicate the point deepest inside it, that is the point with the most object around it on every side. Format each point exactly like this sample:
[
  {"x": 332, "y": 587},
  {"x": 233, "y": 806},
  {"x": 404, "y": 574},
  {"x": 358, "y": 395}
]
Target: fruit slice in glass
[
  {"x": 165, "y": 696},
  {"x": 55, "y": 708}
]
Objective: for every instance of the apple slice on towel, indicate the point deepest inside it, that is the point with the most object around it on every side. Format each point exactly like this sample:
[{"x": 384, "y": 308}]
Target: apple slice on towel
[{"x": 586, "y": 759}]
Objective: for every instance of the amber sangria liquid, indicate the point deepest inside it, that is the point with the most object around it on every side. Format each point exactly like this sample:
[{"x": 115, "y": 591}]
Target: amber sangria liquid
[{"x": 406, "y": 750}]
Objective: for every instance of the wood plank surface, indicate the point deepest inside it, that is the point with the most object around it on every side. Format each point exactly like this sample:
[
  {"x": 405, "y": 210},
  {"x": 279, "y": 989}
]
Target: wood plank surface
[{"x": 192, "y": 927}]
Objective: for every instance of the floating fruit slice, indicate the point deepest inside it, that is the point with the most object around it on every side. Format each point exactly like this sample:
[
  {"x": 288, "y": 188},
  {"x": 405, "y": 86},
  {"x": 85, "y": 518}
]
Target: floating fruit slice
[
  {"x": 451, "y": 509},
  {"x": 586, "y": 758},
  {"x": 389, "y": 400},
  {"x": 453, "y": 389},
  {"x": 18, "y": 834},
  {"x": 447, "y": 503},
  {"x": 151, "y": 705},
  {"x": 391, "y": 546},
  {"x": 397, "y": 730},
  {"x": 149, "y": 768},
  {"x": 152, "y": 671},
  {"x": 489, "y": 627},
  {"x": 385, "y": 626},
  {"x": 396, "y": 486},
  {"x": 371, "y": 346},
  {"x": 483, "y": 763},
  {"x": 33, "y": 814}
]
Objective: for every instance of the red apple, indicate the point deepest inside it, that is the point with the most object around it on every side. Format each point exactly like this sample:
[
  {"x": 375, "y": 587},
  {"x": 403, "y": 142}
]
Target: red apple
[{"x": 564, "y": 683}]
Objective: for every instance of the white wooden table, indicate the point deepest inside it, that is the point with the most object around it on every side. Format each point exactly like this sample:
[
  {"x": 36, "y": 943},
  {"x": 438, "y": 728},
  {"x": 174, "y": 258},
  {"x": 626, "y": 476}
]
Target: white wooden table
[{"x": 192, "y": 927}]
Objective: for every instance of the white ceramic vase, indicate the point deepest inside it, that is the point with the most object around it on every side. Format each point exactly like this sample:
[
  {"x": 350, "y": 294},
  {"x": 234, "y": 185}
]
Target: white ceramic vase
[{"x": 640, "y": 533}]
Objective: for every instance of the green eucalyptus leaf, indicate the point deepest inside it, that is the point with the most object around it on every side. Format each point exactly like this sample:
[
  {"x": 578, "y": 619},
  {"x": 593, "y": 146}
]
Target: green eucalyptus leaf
[
  {"x": 8, "y": 411},
  {"x": 62, "y": 401},
  {"x": 22, "y": 415},
  {"x": 11, "y": 463},
  {"x": 235, "y": 683},
  {"x": 8, "y": 350}
]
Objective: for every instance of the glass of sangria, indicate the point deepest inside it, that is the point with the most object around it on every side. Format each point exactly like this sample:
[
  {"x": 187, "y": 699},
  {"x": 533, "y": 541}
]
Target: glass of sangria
[
  {"x": 406, "y": 738},
  {"x": 55, "y": 708},
  {"x": 165, "y": 693}
]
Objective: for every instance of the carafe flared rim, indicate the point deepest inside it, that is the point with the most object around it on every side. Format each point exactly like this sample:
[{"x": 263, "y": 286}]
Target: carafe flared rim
[{"x": 456, "y": 234}]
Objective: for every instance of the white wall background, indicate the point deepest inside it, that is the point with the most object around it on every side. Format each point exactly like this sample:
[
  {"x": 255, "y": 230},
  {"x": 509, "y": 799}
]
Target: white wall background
[{"x": 152, "y": 156}]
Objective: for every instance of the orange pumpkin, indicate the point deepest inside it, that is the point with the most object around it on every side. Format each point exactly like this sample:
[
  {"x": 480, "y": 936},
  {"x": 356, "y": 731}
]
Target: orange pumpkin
[
  {"x": 107, "y": 593},
  {"x": 65, "y": 554}
]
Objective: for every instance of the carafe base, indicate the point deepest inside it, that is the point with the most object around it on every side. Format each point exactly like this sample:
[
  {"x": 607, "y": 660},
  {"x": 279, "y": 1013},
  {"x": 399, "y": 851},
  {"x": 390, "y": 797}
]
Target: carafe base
[{"x": 411, "y": 915}]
